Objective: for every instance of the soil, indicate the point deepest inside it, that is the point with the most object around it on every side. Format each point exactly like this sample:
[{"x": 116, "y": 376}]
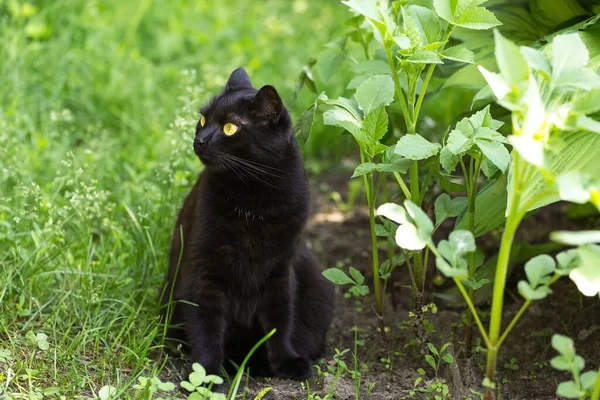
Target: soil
[{"x": 337, "y": 236}]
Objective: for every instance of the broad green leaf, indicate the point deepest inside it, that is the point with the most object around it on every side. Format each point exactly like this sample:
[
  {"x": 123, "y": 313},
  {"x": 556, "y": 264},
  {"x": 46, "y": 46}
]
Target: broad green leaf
[
  {"x": 402, "y": 41},
  {"x": 569, "y": 390},
  {"x": 375, "y": 125},
  {"x": 400, "y": 166},
  {"x": 568, "y": 52},
  {"x": 337, "y": 276},
  {"x": 342, "y": 118},
  {"x": 424, "y": 57},
  {"x": 376, "y": 91},
  {"x": 489, "y": 134},
  {"x": 427, "y": 22},
  {"x": 581, "y": 78},
  {"x": 433, "y": 349},
  {"x": 567, "y": 260},
  {"x": 457, "y": 206},
  {"x": 430, "y": 360},
  {"x": 537, "y": 61},
  {"x": 530, "y": 293},
  {"x": 107, "y": 392},
  {"x": 459, "y": 53},
  {"x": 538, "y": 268},
  {"x": 588, "y": 102},
  {"x": 449, "y": 271},
  {"x": 372, "y": 67},
  {"x": 576, "y": 238},
  {"x": 368, "y": 8},
  {"x": 462, "y": 241},
  {"x": 588, "y": 379},
  {"x": 187, "y": 386},
  {"x": 448, "y": 160},
  {"x": 349, "y": 105},
  {"x": 495, "y": 152},
  {"x": 587, "y": 275},
  {"x": 571, "y": 187},
  {"x": 497, "y": 83},
  {"x": 564, "y": 345},
  {"x": 448, "y": 359},
  {"x": 358, "y": 277},
  {"x": 511, "y": 61},
  {"x": 476, "y": 284},
  {"x": 412, "y": 30},
  {"x": 477, "y": 18},
  {"x": 561, "y": 363},
  {"x": 305, "y": 123},
  {"x": 444, "y": 9},
  {"x": 457, "y": 143},
  {"x": 416, "y": 147},
  {"x": 530, "y": 149},
  {"x": 488, "y": 168},
  {"x": 588, "y": 124},
  {"x": 580, "y": 152},
  {"x": 440, "y": 208}
]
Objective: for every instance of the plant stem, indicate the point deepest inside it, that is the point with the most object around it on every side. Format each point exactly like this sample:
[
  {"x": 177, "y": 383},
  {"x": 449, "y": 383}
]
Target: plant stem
[
  {"x": 512, "y": 223},
  {"x": 368, "y": 182},
  {"x": 403, "y": 186},
  {"x": 596, "y": 392}
]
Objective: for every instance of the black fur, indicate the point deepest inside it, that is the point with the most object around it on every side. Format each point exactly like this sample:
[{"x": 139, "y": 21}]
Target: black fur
[{"x": 243, "y": 262}]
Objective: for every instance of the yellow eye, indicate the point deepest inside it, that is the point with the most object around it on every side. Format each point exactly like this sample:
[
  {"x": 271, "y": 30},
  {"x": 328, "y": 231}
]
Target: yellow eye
[
  {"x": 202, "y": 121},
  {"x": 229, "y": 129}
]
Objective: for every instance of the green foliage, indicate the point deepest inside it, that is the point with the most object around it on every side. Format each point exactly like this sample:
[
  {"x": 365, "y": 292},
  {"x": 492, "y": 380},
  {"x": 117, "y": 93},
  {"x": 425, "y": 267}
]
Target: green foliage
[{"x": 582, "y": 384}]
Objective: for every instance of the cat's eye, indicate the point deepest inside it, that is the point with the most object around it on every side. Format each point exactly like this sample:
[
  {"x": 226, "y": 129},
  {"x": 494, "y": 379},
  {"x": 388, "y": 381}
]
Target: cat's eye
[
  {"x": 202, "y": 121},
  {"x": 229, "y": 129}
]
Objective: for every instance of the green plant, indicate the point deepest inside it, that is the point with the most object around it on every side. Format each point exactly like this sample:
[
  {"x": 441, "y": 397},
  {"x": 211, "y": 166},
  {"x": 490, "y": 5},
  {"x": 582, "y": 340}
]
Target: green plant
[
  {"x": 437, "y": 356},
  {"x": 549, "y": 106},
  {"x": 199, "y": 384},
  {"x": 583, "y": 384}
]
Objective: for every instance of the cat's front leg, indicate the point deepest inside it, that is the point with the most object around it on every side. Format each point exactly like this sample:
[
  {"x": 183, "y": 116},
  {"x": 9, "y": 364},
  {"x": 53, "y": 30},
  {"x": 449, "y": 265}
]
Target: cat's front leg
[
  {"x": 278, "y": 312},
  {"x": 205, "y": 325}
]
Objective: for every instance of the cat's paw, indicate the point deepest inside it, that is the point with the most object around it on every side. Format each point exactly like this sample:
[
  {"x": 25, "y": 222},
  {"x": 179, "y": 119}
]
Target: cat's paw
[{"x": 298, "y": 368}]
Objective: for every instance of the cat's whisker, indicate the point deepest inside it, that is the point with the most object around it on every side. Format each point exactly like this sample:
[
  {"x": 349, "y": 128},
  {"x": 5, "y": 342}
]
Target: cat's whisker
[
  {"x": 232, "y": 168},
  {"x": 258, "y": 164},
  {"x": 249, "y": 172},
  {"x": 254, "y": 168}
]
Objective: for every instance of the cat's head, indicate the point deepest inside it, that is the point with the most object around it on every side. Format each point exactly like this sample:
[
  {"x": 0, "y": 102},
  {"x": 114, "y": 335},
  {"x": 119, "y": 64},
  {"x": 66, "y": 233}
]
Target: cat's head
[{"x": 242, "y": 122}]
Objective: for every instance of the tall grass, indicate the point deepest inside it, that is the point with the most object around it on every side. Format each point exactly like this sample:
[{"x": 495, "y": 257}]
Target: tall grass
[{"x": 98, "y": 101}]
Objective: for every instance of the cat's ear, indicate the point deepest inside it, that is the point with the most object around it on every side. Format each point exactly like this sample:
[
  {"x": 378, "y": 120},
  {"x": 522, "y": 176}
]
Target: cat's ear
[
  {"x": 267, "y": 103},
  {"x": 238, "y": 79}
]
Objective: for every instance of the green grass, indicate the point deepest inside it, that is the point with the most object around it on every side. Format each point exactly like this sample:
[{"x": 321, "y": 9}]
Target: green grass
[{"x": 98, "y": 101}]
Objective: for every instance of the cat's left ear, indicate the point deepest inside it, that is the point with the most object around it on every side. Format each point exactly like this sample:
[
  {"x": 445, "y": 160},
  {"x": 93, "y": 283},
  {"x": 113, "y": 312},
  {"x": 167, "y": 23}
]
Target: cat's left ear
[
  {"x": 267, "y": 103},
  {"x": 238, "y": 79}
]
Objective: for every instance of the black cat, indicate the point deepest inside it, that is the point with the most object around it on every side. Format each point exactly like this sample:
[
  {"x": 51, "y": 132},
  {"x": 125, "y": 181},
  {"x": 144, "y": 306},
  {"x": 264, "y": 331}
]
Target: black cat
[{"x": 238, "y": 266}]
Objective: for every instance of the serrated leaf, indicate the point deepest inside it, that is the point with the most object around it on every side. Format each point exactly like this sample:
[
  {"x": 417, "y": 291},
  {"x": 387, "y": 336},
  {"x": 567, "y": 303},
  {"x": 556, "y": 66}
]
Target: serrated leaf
[
  {"x": 495, "y": 152},
  {"x": 427, "y": 22},
  {"x": 342, "y": 118},
  {"x": 568, "y": 52},
  {"x": 400, "y": 166},
  {"x": 424, "y": 57},
  {"x": 448, "y": 162},
  {"x": 458, "y": 143},
  {"x": 512, "y": 63},
  {"x": 337, "y": 276},
  {"x": 538, "y": 268},
  {"x": 477, "y": 18},
  {"x": 367, "y": 8},
  {"x": 375, "y": 125},
  {"x": 459, "y": 53},
  {"x": 416, "y": 147},
  {"x": 376, "y": 91},
  {"x": 537, "y": 61},
  {"x": 411, "y": 29}
]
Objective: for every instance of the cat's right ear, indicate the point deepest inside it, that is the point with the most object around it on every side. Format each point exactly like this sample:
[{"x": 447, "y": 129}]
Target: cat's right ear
[{"x": 238, "y": 80}]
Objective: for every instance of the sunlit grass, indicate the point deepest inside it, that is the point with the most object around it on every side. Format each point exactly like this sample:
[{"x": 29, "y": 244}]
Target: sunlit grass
[{"x": 98, "y": 101}]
